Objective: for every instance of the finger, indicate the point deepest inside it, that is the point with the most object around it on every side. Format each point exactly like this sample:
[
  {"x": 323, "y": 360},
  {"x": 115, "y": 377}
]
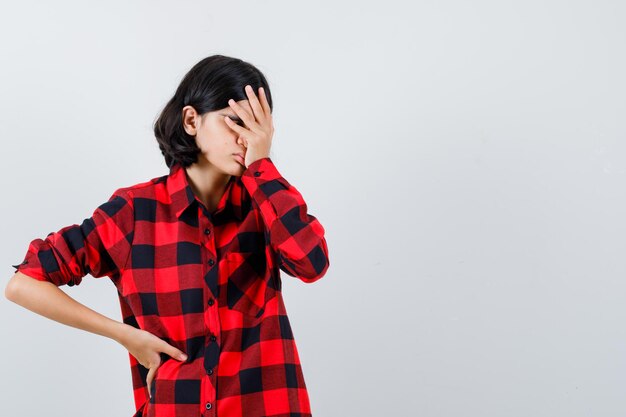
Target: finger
[
  {"x": 233, "y": 125},
  {"x": 264, "y": 102},
  {"x": 257, "y": 109},
  {"x": 243, "y": 114},
  {"x": 174, "y": 352}
]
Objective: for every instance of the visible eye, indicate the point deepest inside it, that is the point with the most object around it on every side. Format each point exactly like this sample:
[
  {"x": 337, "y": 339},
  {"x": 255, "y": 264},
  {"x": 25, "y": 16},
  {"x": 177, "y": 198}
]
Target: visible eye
[{"x": 238, "y": 121}]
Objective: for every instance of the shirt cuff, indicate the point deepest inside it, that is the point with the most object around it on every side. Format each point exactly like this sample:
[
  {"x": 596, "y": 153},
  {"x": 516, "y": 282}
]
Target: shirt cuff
[
  {"x": 262, "y": 180},
  {"x": 40, "y": 263}
]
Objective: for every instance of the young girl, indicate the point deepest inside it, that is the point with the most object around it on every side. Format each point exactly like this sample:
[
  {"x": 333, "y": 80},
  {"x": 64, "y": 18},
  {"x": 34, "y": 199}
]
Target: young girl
[{"x": 195, "y": 257}]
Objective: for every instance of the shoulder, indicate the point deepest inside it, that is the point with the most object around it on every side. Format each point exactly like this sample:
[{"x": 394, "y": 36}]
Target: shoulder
[{"x": 144, "y": 189}]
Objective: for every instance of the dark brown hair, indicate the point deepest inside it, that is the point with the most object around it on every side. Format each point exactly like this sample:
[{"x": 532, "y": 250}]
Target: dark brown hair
[{"x": 206, "y": 87}]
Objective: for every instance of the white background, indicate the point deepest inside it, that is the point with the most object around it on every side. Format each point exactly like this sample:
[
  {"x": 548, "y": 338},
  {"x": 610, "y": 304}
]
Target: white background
[{"x": 467, "y": 160}]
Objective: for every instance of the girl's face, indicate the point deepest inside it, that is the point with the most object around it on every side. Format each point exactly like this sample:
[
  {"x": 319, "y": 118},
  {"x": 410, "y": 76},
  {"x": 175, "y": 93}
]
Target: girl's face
[{"x": 218, "y": 143}]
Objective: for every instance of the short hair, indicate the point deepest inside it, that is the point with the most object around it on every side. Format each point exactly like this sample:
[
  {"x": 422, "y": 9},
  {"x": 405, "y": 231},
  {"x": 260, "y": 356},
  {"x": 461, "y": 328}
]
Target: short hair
[{"x": 207, "y": 87}]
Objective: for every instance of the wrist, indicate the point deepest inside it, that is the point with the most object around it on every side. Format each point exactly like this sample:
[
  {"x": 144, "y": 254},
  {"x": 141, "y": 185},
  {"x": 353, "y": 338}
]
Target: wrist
[{"x": 121, "y": 331}]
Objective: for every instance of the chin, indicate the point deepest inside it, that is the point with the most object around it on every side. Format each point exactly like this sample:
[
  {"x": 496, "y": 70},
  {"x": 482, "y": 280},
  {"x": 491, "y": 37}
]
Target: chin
[{"x": 238, "y": 171}]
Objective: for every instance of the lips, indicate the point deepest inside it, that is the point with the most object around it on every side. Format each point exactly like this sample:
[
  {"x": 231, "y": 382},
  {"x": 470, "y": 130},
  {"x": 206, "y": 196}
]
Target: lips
[{"x": 240, "y": 158}]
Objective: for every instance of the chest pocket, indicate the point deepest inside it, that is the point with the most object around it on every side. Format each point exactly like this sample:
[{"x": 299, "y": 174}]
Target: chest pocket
[{"x": 247, "y": 281}]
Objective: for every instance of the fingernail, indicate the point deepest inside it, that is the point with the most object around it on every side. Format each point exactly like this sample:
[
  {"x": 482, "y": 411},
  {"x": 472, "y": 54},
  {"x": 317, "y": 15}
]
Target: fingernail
[{"x": 183, "y": 357}]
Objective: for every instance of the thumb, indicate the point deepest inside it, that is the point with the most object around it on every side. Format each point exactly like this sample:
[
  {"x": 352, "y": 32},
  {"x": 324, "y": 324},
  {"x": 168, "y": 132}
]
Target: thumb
[{"x": 150, "y": 378}]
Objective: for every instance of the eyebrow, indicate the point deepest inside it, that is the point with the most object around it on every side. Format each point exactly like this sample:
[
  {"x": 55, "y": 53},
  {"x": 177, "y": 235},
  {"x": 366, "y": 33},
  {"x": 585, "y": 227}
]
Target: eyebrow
[{"x": 234, "y": 118}]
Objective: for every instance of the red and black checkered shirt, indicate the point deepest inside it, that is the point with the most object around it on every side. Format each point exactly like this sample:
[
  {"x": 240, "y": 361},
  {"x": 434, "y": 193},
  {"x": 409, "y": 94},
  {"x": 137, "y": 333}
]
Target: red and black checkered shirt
[{"x": 207, "y": 283}]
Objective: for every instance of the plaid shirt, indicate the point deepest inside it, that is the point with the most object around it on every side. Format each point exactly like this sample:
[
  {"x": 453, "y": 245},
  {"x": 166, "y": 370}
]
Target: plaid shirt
[{"x": 207, "y": 283}]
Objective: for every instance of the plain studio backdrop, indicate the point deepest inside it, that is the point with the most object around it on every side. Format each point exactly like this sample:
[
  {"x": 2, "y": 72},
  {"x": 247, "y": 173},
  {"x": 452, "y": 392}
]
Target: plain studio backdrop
[{"x": 467, "y": 160}]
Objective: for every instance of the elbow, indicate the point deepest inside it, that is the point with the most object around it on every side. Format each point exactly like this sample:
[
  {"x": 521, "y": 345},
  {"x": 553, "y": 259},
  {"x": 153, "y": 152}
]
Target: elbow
[
  {"x": 14, "y": 290},
  {"x": 309, "y": 269},
  {"x": 319, "y": 273},
  {"x": 11, "y": 290},
  {"x": 320, "y": 262}
]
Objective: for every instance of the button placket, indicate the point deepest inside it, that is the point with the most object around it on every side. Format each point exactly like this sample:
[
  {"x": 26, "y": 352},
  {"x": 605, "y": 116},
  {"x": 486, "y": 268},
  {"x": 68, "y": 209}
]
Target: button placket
[{"x": 212, "y": 348}]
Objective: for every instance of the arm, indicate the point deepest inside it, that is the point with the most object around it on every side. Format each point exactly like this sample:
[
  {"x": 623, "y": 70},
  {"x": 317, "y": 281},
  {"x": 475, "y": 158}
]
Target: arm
[
  {"x": 296, "y": 236},
  {"x": 49, "y": 300},
  {"x": 100, "y": 246}
]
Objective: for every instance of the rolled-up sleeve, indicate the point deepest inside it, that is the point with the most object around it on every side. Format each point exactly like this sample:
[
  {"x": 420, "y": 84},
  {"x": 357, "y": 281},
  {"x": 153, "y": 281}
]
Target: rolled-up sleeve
[
  {"x": 296, "y": 236},
  {"x": 99, "y": 246}
]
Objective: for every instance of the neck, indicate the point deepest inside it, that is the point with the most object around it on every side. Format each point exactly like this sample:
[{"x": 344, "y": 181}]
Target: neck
[{"x": 207, "y": 183}]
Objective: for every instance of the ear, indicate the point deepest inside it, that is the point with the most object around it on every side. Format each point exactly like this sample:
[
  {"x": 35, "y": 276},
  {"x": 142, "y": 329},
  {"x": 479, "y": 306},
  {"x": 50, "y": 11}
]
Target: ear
[{"x": 191, "y": 120}]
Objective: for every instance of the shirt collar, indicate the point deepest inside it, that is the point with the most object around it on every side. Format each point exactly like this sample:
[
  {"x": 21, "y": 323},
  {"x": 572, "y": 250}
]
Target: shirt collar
[{"x": 182, "y": 195}]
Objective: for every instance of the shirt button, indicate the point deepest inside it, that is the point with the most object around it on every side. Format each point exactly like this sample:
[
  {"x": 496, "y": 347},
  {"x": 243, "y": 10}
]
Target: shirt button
[
  {"x": 257, "y": 173},
  {"x": 211, "y": 261},
  {"x": 208, "y": 406},
  {"x": 213, "y": 338},
  {"x": 211, "y": 301},
  {"x": 207, "y": 231},
  {"x": 210, "y": 371}
]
